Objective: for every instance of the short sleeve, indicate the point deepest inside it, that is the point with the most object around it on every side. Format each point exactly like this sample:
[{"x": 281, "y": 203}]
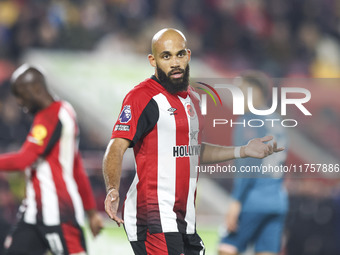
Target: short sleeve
[
  {"x": 137, "y": 117},
  {"x": 45, "y": 132}
]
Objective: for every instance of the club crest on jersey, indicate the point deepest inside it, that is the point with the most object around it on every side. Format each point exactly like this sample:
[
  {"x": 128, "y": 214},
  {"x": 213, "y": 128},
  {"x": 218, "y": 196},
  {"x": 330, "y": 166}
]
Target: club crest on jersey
[
  {"x": 125, "y": 116},
  {"x": 190, "y": 110}
]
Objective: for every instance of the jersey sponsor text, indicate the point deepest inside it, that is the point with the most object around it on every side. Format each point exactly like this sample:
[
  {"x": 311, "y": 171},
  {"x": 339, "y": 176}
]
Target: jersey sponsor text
[{"x": 186, "y": 150}]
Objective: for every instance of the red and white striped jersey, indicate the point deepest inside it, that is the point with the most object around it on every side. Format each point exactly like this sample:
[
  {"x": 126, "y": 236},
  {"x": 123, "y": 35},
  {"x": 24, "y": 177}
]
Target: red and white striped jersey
[
  {"x": 164, "y": 130},
  {"x": 57, "y": 188}
]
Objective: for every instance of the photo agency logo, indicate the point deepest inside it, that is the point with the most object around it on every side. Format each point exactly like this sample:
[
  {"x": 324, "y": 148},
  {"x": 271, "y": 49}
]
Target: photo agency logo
[
  {"x": 204, "y": 97},
  {"x": 295, "y": 96}
]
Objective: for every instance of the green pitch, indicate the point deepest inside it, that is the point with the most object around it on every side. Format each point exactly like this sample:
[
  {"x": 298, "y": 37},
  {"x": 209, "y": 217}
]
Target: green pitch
[{"x": 113, "y": 240}]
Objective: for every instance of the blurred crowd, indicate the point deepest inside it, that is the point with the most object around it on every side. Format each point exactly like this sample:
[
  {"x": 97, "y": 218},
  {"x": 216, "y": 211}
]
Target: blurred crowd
[{"x": 283, "y": 38}]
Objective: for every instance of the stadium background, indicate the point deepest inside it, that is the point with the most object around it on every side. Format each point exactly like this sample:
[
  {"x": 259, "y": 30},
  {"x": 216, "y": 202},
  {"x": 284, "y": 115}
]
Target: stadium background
[{"x": 95, "y": 51}]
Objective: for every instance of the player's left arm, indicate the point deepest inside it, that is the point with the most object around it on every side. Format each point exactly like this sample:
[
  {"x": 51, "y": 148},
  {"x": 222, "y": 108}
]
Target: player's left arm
[
  {"x": 86, "y": 194},
  {"x": 256, "y": 148}
]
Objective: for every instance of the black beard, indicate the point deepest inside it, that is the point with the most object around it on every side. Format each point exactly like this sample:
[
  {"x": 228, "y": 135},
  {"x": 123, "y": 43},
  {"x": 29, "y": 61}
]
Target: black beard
[{"x": 174, "y": 85}]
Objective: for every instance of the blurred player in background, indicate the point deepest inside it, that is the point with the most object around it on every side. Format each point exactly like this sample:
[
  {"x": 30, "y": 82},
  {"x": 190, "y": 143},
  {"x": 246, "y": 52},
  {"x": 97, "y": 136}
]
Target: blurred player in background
[
  {"x": 161, "y": 120},
  {"x": 257, "y": 212},
  {"x": 57, "y": 188}
]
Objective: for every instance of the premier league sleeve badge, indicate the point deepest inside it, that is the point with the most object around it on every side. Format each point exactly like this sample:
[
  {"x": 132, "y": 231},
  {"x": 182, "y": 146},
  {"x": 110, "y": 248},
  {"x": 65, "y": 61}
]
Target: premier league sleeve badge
[{"x": 125, "y": 116}]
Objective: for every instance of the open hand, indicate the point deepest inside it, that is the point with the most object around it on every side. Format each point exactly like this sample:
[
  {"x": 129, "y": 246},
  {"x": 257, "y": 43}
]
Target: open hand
[
  {"x": 257, "y": 148},
  {"x": 111, "y": 205}
]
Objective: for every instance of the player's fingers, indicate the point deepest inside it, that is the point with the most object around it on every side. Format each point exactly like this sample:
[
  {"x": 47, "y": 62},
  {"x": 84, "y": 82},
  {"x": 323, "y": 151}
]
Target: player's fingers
[
  {"x": 265, "y": 150},
  {"x": 266, "y": 138},
  {"x": 270, "y": 149},
  {"x": 110, "y": 207},
  {"x": 109, "y": 212},
  {"x": 96, "y": 226},
  {"x": 96, "y": 231},
  {"x": 274, "y": 146},
  {"x": 280, "y": 149},
  {"x": 118, "y": 220},
  {"x": 113, "y": 215},
  {"x": 275, "y": 149},
  {"x": 99, "y": 228}
]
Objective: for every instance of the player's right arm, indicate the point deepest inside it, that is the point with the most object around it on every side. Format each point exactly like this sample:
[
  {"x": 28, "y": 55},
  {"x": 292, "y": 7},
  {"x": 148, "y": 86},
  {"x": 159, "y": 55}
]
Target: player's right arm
[
  {"x": 18, "y": 161},
  {"x": 43, "y": 135},
  {"x": 138, "y": 115},
  {"x": 112, "y": 169}
]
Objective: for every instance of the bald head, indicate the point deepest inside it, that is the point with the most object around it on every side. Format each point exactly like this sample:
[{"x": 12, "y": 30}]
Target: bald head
[
  {"x": 167, "y": 36},
  {"x": 29, "y": 87},
  {"x": 170, "y": 57},
  {"x": 27, "y": 75}
]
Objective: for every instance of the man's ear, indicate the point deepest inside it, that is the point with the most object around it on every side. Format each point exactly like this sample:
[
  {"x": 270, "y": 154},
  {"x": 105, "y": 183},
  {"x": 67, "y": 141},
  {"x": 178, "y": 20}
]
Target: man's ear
[
  {"x": 189, "y": 54},
  {"x": 152, "y": 60}
]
